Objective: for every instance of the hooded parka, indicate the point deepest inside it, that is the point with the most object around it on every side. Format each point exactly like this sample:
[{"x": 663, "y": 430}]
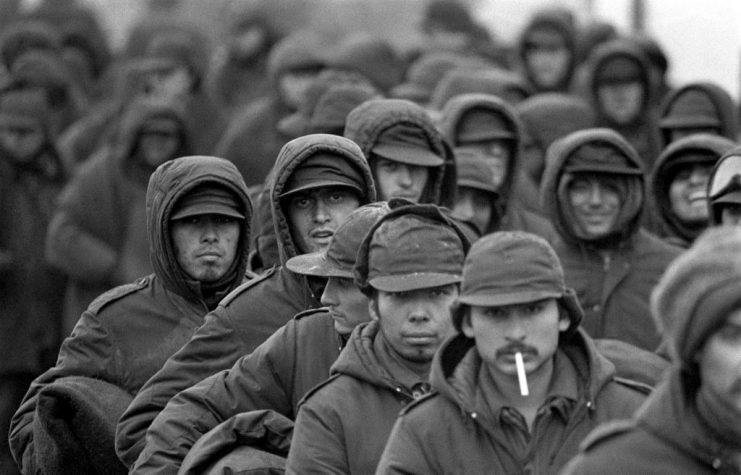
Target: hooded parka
[
  {"x": 365, "y": 124},
  {"x": 128, "y": 333},
  {"x": 250, "y": 314},
  {"x": 352, "y": 413},
  {"x": 97, "y": 235},
  {"x": 643, "y": 131},
  {"x": 515, "y": 190},
  {"x": 705, "y": 149},
  {"x": 614, "y": 276},
  {"x": 454, "y": 430}
]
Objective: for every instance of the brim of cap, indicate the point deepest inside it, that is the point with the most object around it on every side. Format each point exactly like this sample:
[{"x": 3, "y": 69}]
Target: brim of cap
[
  {"x": 321, "y": 184},
  {"x": 603, "y": 169},
  {"x": 507, "y": 298},
  {"x": 411, "y": 92},
  {"x": 294, "y": 125},
  {"x": 200, "y": 209},
  {"x": 316, "y": 264},
  {"x": 407, "y": 282},
  {"x": 484, "y": 135},
  {"x": 409, "y": 155},
  {"x": 688, "y": 122},
  {"x": 733, "y": 197},
  {"x": 477, "y": 185}
]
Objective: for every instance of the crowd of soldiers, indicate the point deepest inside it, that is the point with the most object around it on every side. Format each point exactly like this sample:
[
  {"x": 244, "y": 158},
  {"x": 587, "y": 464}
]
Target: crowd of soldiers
[{"x": 297, "y": 252}]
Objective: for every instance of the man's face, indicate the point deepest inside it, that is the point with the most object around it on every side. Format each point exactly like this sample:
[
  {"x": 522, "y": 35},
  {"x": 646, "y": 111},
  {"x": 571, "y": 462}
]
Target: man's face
[
  {"x": 159, "y": 141},
  {"x": 315, "y": 214},
  {"x": 175, "y": 84},
  {"x": 688, "y": 193},
  {"x": 595, "y": 204},
  {"x": 23, "y": 141},
  {"x": 206, "y": 245},
  {"x": 529, "y": 328},
  {"x": 720, "y": 363},
  {"x": 400, "y": 180},
  {"x": 474, "y": 206},
  {"x": 498, "y": 154},
  {"x": 730, "y": 214},
  {"x": 622, "y": 101},
  {"x": 547, "y": 57},
  {"x": 415, "y": 323},
  {"x": 348, "y": 306}
]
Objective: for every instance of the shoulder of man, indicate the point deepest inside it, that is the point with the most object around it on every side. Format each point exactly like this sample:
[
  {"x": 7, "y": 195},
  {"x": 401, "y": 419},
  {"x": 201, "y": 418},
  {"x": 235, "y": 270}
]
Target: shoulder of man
[
  {"x": 606, "y": 432},
  {"x": 248, "y": 285},
  {"x": 318, "y": 388},
  {"x": 422, "y": 401},
  {"x": 638, "y": 386},
  {"x": 310, "y": 312},
  {"x": 117, "y": 293}
]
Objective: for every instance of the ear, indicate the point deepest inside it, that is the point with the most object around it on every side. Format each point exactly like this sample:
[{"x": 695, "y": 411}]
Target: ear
[
  {"x": 564, "y": 322},
  {"x": 466, "y": 326},
  {"x": 373, "y": 309}
]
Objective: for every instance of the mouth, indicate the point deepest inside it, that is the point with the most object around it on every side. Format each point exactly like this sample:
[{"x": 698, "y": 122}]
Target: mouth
[
  {"x": 209, "y": 254},
  {"x": 419, "y": 339},
  {"x": 321, "y": 234},
  {"x": 697, "y": 196},
  {"x": 509, "y": 352}
]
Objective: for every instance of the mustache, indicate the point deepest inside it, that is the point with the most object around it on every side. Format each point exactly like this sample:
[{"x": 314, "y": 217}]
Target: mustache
[{"x": 513, "y": 348}]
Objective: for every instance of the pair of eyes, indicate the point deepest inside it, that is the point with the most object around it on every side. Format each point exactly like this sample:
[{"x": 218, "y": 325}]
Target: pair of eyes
[
  {"x": 201, "y": 218},
  {"x": 307, "y": 201},
  {"x": 434, "y": 292},
  {"x": 584, "y": 186}
]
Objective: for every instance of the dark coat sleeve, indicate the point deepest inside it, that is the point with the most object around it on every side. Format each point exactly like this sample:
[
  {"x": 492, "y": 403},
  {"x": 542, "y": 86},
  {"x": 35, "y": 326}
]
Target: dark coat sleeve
[
  {"x": 87, "y": 352},
  {"x": 318, "y": 444},
  {"x": 260, "y": 380}
]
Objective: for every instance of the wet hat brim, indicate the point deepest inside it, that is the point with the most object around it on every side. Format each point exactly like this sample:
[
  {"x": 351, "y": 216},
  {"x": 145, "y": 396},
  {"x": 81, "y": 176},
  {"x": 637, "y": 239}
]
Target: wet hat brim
[
  {"x": 415, "y": 281},
  {"x": 316, "y": 264},
  {"x": 409, "y": 155},
  {"x": 497, "y": 299}
]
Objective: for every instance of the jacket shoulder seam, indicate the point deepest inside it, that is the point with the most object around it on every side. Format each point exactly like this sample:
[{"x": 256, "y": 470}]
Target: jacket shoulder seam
[
  {"x": 605, "y": 432},
  {"x": 634, "y": 385},
  {"x": 247, "y": 285},
  {"x": 417, "y": 402},
  {"x": 117, "y": 293},
  {"x": 309, "y": 312},
  {"x": 317, "y": 388}
]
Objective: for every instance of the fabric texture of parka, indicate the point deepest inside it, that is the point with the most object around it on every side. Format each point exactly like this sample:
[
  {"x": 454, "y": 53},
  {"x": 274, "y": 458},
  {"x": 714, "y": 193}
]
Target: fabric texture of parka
[
  {"x": 552, "y": 19},
  {"x": 252, "y": 139},
  {"x": 643, "y": 132},
  {"x": 128, "y": 333},
  {"x": 510, "y": 209},
  {"x": 454, "y": 431},
  {"x": 697, "y": 105},
  {"x": 366, "y": 123},
  {"x": 97, "y": 235},
  {"x": 275, "y": 376},
  {"x": 665, "y": 436},
  {"x": 613, "y": 279},
  {"x": 668, "y": 225},
  {"x": 352, "y": 413},
  {"x": 250, "y": 314}
]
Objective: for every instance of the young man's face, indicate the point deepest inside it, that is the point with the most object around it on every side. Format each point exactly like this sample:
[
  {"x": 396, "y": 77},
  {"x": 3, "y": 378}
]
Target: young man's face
[
  {"x": 730, "y": 214},
  {"x": 498, "y": 154},
  {"x": 315, "y": 214},
  {"x": 529, "y": 328},
  {"x": 688, "y": 192},
  {"x": 595, "y": 204},
  {"x": 622, "y": 101},
  {"x": 400, "y": 180},
  {"x": 294, "y": 84},
  {"x": 348, "y": 306},
  {"x": 415, "y": 323},
  {"x": 474, "y": 206},
  {"x": 547, "y": 57},
  {"x": 22, "y": 140},
  {"x": 206, "y": 245},
  {"x": 159, "y": 141},
  {"x": 720, "y": 363}
]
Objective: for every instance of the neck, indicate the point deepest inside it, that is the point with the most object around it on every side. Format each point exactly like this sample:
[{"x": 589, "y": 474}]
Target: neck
[{"x": 508, "y": 387}]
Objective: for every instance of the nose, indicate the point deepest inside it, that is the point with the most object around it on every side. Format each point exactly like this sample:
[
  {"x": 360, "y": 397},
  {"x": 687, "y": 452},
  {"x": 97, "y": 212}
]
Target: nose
[
  {"x": 321, "y": 212},
  {"x": 210, "y": 232},
  {"x": 698, "y": 176},
  {"x": 418, "y": 312},
  {"x": 595, "y": 195},
  {"x": 329, "y": 296},
  {"x": 515, "y": 330},
  {"x": 404, "y": 177}
]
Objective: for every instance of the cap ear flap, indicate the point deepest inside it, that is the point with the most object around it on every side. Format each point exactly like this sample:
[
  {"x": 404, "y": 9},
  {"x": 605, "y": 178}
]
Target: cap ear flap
[
  {"x": 457, "y": 312},
  {"x": 570, "y": 303}
]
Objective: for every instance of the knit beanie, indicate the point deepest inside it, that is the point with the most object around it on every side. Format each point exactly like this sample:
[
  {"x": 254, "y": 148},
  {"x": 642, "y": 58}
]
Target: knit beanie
[{"x": 697, "y": 293}]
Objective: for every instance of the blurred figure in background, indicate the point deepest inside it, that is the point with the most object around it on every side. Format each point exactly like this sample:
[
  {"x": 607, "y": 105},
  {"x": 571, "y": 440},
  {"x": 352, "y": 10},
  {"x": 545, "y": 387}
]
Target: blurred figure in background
[{"x": 724, "y": 190}]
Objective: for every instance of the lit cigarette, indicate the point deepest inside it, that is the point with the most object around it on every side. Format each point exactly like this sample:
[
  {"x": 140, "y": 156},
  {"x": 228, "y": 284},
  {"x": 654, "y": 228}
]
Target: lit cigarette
[{"x": 521, "y": 376}]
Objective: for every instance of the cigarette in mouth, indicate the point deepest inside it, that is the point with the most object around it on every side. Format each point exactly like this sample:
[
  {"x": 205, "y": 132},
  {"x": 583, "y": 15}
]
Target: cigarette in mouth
[{"x": 521, "y": 376}]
